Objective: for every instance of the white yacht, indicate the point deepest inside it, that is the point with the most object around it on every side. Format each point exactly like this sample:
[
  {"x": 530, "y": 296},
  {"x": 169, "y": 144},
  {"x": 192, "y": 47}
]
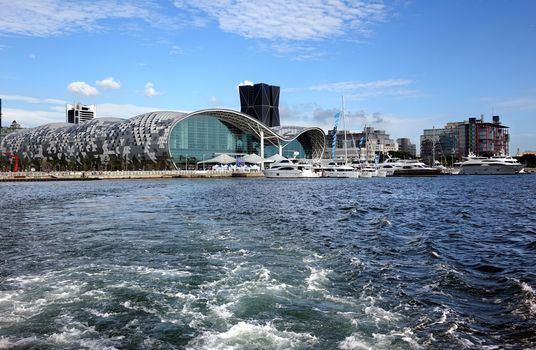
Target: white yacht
[
  {"x": 368, "y": 171},
  {"x": 340, "y": 171},
  {"x": 497, "y": 165},
  {"x": 406, "y": 167},
  {"x": 286, "y": 168}
]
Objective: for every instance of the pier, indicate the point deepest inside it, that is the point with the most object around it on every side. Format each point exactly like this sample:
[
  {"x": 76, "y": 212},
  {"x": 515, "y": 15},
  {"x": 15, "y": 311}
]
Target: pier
[{"x": 122, "y": 175}]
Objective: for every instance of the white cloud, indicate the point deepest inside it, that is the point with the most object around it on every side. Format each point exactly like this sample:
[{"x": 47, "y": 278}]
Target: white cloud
[
  {"x": 150, "y": 91},
  {"x": 175, "y": 50},
  {"x": 356, "y": 85},
  {"x": 356, "y": 90},
  {"x": 32, "y": 56},
  {"x": 113, "y": 110},
  {"x": 81, "y": 87},
  {"x": 32, "y": 118},
  {"x": 108, "y": 83},
  {"x": 56, "y": 17},
  {"x": 29, "y": 99},
  {"x": 522, "y": 103},
  {"x": 288, "y": 20},
  {"x": 246, "y": 83}
]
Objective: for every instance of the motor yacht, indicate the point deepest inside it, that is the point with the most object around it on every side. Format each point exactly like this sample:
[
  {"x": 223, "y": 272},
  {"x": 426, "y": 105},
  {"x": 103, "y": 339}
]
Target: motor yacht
[
  {"x": 340, "y": 171},
  {"x": 368, "y": 171},
  {"x": 496, "y": 165},
  {"x": 406, "y": 167},
  {"x": 286, "y": 168}
]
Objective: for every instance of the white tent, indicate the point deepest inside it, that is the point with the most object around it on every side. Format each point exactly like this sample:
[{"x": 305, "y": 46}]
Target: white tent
[
  {"x": 254, "y": 159},
  {"x": 221, "y": 159},
  {"x": 275, "y": 158}
]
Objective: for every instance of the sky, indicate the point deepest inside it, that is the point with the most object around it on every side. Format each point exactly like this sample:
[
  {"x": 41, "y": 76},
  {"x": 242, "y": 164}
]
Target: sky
[{"x": 400, "y": 66}]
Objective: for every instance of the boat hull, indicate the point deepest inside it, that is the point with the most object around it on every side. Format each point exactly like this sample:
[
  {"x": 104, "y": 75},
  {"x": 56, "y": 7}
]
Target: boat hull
[
  {"x": 492, "y": 169},
  {"x": 288, "y": 174},
  {"x": 417, "y": 172},
  {"x": 341, "y": 174}
]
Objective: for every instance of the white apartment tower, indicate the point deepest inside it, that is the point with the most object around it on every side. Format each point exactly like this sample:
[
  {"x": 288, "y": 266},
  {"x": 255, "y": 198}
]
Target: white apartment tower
[{"x": 78, "y": 113}]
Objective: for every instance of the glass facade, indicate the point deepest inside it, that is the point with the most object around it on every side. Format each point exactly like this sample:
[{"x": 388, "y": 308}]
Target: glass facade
[
  {"x": 203, "y": 137},
  {"x": 290, "y": 150}
]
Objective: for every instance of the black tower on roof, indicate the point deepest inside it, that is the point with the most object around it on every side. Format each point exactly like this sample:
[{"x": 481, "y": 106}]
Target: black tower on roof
[{"x": 261, "y": 101}]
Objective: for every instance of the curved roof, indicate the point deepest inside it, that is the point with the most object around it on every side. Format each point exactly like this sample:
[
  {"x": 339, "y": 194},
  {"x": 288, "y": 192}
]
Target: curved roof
[
  {"x": 145, "y": 136},
  {"x": 245, "y": 122}
]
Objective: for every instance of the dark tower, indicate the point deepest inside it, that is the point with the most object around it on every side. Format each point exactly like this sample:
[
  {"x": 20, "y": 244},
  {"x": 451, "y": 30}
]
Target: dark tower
[{"x": 261, "y": 101}]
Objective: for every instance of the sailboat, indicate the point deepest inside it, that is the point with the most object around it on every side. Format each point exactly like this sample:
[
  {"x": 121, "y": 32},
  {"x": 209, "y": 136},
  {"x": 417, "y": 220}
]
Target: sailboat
[
  {"x": 367, "y": 170},
  {"x": 333, "y": 169}
]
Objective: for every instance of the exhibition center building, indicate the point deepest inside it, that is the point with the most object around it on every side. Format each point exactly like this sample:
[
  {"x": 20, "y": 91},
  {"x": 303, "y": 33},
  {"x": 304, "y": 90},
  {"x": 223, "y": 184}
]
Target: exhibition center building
[{"x": 159, "y": 140}]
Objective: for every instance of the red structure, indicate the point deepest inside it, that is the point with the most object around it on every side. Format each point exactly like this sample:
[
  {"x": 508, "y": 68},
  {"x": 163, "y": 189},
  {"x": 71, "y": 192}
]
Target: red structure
[{"x": 15, "y": 157}]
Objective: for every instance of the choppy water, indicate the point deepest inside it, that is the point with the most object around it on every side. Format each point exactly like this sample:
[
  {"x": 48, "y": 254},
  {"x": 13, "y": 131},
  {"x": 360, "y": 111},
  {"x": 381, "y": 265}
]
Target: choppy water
[{"x": 396, "y": 263}]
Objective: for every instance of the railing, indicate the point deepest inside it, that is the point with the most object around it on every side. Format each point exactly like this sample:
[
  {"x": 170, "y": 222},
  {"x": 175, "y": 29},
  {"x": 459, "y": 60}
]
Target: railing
[{"x": 122, "y": 173}]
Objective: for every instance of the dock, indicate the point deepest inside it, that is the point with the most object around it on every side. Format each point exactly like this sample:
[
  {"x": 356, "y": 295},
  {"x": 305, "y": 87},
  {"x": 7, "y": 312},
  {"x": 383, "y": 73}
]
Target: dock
[{"x": 122, "y": 175}]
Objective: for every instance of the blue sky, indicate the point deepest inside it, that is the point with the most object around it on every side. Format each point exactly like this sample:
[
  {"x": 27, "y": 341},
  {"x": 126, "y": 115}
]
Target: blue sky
[{"x": 402, "y": 66}]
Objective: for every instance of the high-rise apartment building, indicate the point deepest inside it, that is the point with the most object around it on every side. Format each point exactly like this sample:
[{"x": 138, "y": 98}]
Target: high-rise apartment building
[
  {"x": 457, "y": 139},
  {"x": 261, "y": 101},
  {"x": 79, "y": 113}
]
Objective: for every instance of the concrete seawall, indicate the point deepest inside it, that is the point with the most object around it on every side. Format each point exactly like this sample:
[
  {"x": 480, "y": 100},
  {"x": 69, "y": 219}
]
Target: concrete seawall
[{"x": 122, "y": 175}]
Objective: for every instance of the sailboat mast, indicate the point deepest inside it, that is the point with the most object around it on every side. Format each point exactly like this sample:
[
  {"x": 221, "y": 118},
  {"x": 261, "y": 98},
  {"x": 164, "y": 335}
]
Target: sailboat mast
[{"x": 344, "y": 126}]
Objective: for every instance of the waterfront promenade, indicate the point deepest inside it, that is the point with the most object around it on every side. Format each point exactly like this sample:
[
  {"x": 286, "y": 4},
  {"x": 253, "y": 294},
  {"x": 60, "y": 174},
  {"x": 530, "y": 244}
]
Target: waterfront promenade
[{"x": 121, "y": 175}]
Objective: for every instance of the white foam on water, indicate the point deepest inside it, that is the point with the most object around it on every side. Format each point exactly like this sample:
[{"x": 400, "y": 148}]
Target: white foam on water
[
  {"x": 378, "y": 314},
  {"x": 264, "y": 274},
  {"x": 527, "y": 288},
  {"x": 252, "y": 336},
  {"x": 529, "y": 299},
  {"x": 100, "y": 314},
  {"x": 444, "y": 314},
  {"x": 358, "y": 341},
  {"x": 96, "y": 294},
  {"x": 144, "y": 270},
  {"x": 71, "y": 333},
  {"x": 318, "y": 279},
  {"x": 356, "y": 262},
  {"x": 10, "y": 343},
  {"x": 312, "y": 258},
  {"x": 82, "y": 336},
  {"x": 452, "y": 329},
  {"x": 221, "y": 311},
  {"x": 22, "y": 281}
]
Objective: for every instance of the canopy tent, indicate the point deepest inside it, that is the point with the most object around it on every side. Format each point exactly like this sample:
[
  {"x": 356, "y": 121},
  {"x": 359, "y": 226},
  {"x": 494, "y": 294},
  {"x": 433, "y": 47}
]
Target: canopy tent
[
  {"x": 254, "y": 159},
  {"x": 275, "y": 158},
  {"x": 221, "y": 159}
]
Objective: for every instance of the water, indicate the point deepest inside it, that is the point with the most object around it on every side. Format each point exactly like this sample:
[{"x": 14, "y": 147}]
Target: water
[{"x": 396, "y": 263}]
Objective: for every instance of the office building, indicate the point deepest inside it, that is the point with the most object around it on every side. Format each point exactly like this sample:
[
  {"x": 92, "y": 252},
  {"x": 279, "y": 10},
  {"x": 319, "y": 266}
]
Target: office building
[
  {"x": 405, "y": 145},
  {"x": 78, "y": 113}
]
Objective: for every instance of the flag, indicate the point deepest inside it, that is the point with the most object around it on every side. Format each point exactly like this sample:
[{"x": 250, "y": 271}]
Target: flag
[{"x": 334, "y": 139}]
